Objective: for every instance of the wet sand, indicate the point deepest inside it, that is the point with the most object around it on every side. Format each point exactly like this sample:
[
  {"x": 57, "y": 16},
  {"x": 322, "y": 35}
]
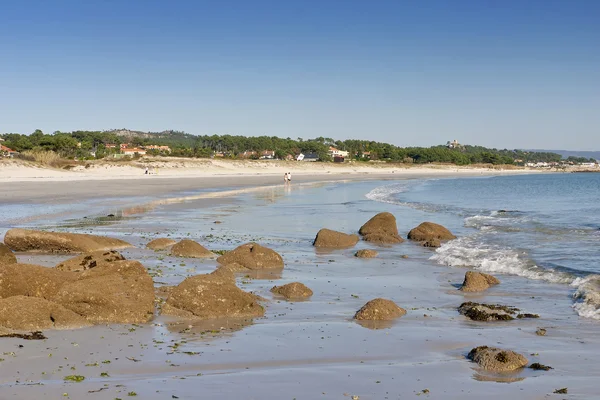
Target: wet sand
[{"x": 303, "y": 350}]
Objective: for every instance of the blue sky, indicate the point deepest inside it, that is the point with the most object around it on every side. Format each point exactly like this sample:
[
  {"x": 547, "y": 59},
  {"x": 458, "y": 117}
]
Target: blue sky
[{"x": 515, "y": 74}]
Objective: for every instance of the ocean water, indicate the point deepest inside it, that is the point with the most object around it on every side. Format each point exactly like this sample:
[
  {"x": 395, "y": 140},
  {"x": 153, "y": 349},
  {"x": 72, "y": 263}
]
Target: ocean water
[{"x": 542, "y": 227}]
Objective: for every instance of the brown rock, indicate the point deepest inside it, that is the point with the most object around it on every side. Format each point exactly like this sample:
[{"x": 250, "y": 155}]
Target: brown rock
[
  {"x": 31, "y": 280},
  {"x": 381, "y": 229},
  {"x": 189, "y": 248},
  {"x": 252, "y": 256},
  {"x": 477, "y": 282},
  {"x": 118, "y": 292},
  {"x": 89, "y": 260},
  {"x": 294, "y": 290},
  {"x": 31, "y": 313},
  {"x": 497, "y": 360},
  {"x": 210, "y": 296},
  {"x": 6, "y": 255},
  {"x": 366, "y": 253},
  {"x": 327, "y": 238},
  {"x": 379, "y": 310},
  {"x": 160, "y": 244},
  {"x": 57, "y": 242},
  {"x": 430, "y": 234},
  {"x": 492, "y": 312}
]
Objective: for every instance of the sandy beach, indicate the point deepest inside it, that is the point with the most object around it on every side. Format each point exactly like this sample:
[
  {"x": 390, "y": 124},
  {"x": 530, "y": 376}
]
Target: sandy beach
[{"x": 299, "y": 349}]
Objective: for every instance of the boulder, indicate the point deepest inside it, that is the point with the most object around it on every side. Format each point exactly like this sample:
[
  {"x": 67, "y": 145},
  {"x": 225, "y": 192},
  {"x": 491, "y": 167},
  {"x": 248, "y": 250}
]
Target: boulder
[
  {"x": 90, "y": 260},
  {"x": 189, "y": 248},
  {"x": 379, "y": 310},
  {"x": 6, "y": 255},
  {"x": 58, "y": 242},
  {"x": 491, "y": 312},
  {"x": 160, "y": 244},
  {"x": 117, "y": 292},
  {"x": 477, "y": 282},
  {"x": 294, "y": 290},
  {"x": 252, "y": 256},
  {"x": 24, "y": 313},
  {"x": 366, "y": 253},
  {"x": 326, "y": 238},
  {"x": 497, "y": 360},
  {"x": 381, "y": 228},
  {"x": 430, "y": 234},
  {"x": 209, "y": 296},
  {"x": 31, "y": 280}
]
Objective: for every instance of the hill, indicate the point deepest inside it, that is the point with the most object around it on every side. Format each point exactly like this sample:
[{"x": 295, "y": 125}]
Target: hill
[{"x": 571, "y": 153}]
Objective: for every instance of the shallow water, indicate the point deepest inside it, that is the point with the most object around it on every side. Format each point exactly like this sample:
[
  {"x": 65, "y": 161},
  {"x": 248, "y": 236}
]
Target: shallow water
[{"x": 311, "y": 349}]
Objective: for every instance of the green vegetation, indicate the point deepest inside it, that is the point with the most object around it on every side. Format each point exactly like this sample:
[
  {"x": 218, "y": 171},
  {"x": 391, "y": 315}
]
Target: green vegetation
[
  {"x": 93, "y": 144},
  {"x": 74, "y": 378}
]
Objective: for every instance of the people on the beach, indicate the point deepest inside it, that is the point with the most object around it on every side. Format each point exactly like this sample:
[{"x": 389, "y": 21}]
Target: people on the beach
[
  {"x": 146, "y": 171},
  {"x": 285, "y": 178},
  {"x": 289, "y": 177}
]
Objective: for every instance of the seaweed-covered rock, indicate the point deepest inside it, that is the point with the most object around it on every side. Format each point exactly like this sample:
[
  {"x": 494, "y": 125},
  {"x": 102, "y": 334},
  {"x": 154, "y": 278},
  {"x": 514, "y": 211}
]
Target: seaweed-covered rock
[
  {"x": 59, "y": 242},
  {"x": 90, "y": 260},
  {"x": 379, "y": 310},
  {"x": 117, "y": 292},
  {"x": 477, "y": 282},
  {"x": 31, "y": 280},
  {"x": 25, "y": 313},
  {"x": 189, "y": 248},
  {"x": 366, "y": 253},
  {"x": 430, "y": 234},
  {"x": 491, "y": 312},
  {"x": 252, "y": 256},
  {"x": 160, "y": 243},
  {"x": 381, "y": 228},
  {"x": 326, "y": 238},
  {"x": 497, "y": 360},
  {"x": 210, "y": 296},
  {"x": 294, "y": 290},
  {"x": 6, "y": 255}
]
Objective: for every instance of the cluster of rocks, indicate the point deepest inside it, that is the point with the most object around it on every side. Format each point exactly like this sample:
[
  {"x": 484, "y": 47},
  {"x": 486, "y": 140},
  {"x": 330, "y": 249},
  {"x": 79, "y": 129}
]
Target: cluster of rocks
[{"x": 492, "y": 312}]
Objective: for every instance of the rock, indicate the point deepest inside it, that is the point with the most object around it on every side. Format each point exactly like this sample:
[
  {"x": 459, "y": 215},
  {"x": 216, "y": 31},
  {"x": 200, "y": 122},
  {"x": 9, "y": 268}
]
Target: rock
[
  {"x": 491, "y": 312},
  {"x": 210, "y": 296},
  {"x": 381, "y": 229},
  {"x": 117, "y": 292},
  {"x": 57, "y": 242},
  {"x": 25, "y": 313},
  {"x": 379, "y": 310},
  {"x": 6, "y": 255},
  {"x": 90, "y": 260},
  {"x": 160, "y": 244},
  {"x": 31, "y": 280},
  {"x": 497, "y": 360},
  {"x": 366, "y": 254},
  {"x": 540, "y": 367},
  {"x": 252, "y": 256},
  {"x": 540, "y": 332},
  {"x": 430, "y": 234},
  {"x": 327, "y": 238},
  {"x": 561, "y": 391},
  {"x": 189, "y": 248},
  {"x": 477, "y": 282},
  {"x": 294, "y": 290}
]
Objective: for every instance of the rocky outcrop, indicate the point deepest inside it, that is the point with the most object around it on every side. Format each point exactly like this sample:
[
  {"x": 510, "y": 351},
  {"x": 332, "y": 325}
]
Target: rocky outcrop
[
  {"x": 477, "y": 282},
  {"x": 379, "y": 310},
  {"x": 117, "y": 292},
  {"x": 381, "y": 228},
  {"x": 90, "y": 260},
  {"x": 6, "y": 255},
  {"x": 31, "y": 280},
  {"x": 191, "y": 249},
  {"x": 252, "y": 256},
  {"x": 366, "y": 253},
  {"x": 160, "y": 243},
  {"x": 24, "y": 313},
  {"x": 294, "y": 290},
  {"x": 58, "y": 242},
  {"x": 497, "y": 360},
  {"x": 326, "y": 238},
  {"x": 492, "y": 312},
  {"x": 211, "y": 296},
  {"x": 430, "y": 234}
]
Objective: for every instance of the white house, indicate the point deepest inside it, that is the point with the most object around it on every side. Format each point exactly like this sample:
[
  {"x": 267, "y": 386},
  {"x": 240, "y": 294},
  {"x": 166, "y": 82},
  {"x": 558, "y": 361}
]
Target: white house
[{"x": 333, "y": 152}]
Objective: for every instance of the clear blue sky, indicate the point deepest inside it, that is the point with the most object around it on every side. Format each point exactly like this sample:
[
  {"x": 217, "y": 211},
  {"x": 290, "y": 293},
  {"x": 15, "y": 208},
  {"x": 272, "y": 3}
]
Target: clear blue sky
[{"x": 516, "y": 74}]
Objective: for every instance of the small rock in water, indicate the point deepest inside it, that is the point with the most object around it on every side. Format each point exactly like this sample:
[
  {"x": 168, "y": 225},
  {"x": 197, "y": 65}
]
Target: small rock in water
[
  {"x": 561, "y": 391},
  {"x": 540, "y": 367},
  {"x": 540, "y": 332}
]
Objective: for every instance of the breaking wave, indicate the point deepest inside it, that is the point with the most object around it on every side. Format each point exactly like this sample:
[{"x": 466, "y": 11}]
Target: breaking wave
[{"x": 587, "y": 296}]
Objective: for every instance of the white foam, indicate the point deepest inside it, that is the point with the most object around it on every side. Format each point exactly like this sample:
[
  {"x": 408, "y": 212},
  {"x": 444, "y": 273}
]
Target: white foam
[
  {"x": 385, "y": 194},
  {"x": 587, "y": 296}
]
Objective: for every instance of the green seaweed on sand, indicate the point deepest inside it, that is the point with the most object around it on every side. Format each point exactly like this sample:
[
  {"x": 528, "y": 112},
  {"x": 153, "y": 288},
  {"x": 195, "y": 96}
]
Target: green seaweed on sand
[
  {"x": 74, "y": 378},
  {"x": 37, "y": 335}
]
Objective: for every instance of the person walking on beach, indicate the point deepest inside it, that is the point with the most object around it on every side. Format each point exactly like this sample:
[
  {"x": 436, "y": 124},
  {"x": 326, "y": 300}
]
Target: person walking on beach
[
  {"x": 285, "y": 178},
  {"x": 289, "y": 177},
  {"x": 146, "y": 171}
]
